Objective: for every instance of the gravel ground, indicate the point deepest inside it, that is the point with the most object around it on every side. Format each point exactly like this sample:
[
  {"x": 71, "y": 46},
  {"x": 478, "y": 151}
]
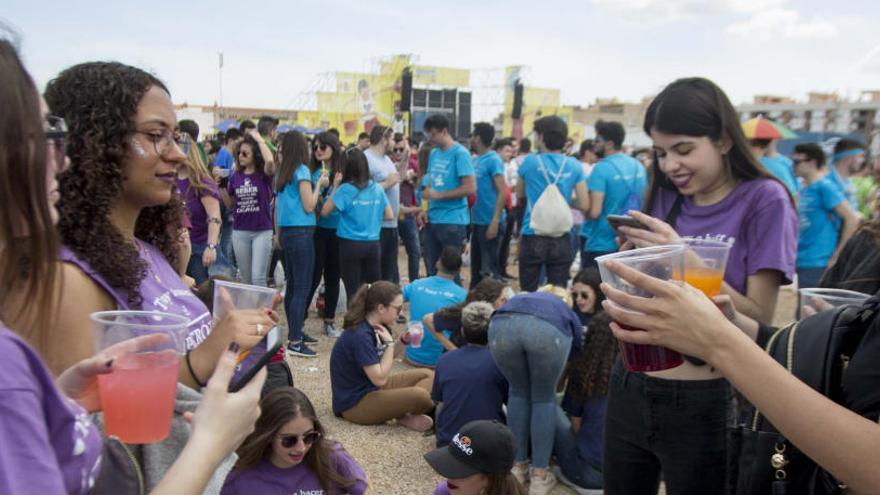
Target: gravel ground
[{"x": 390, "y": 454}]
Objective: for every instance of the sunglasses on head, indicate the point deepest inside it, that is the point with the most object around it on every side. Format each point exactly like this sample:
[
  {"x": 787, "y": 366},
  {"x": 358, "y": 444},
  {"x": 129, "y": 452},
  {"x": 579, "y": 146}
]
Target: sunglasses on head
[
  {"x": 288, "y": 441},
  {"x": 582, "y": 295}
]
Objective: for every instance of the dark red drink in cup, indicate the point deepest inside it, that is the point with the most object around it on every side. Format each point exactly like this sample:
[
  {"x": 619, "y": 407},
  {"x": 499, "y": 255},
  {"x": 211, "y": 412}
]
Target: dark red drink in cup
[{"x": 665, "y": 263}]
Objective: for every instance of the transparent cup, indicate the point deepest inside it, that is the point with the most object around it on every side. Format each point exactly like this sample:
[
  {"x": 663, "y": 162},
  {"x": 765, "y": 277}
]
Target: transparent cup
[
  {"x": 137, "y": 397},
  {"x": 821, "y": 299},
  {"x": 231, "y": 295},
  {"x": 416, "y": 331},
  {"x": 662, "y": 262},
  {"x": 705, "y": 262}
]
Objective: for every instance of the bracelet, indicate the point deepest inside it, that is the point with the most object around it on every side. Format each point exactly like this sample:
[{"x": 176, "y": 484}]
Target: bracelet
[
  {"x": 215, "y": 220},
  {"x": 189, "y": 366},
  {"x": 388, "y": 342}
]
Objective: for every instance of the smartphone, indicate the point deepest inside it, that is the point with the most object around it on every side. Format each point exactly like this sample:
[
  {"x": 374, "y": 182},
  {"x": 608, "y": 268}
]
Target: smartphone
[
  {"x": 250, "y": 362},
  {"x": 617, "y": 221}
]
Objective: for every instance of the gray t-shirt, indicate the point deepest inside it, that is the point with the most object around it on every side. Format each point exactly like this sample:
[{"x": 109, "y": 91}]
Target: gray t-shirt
[{"x": 380, "y": 168}]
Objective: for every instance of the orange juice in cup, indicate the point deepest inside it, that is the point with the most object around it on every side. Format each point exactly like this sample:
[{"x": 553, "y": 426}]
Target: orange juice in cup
[
  {"x": 707, "y": 280},
  {"x": 705, "y": 262}
]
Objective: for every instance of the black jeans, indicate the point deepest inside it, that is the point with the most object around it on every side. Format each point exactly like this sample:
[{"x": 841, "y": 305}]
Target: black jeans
[
  {"x": 359, "y": 263},
  {"x": 551, "y": 253},
  {"x": 514, "y": 222},
  {"x": 676, "y": 427},
  {"x": 409, "y": 232},
  {"x": 390, "y": 242},
  {"x": 327, "y": 266}
]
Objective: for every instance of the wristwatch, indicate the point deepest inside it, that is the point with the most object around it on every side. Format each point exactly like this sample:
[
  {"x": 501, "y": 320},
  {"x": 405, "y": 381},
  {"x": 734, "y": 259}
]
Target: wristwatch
[{"x": 211, "y": 246}]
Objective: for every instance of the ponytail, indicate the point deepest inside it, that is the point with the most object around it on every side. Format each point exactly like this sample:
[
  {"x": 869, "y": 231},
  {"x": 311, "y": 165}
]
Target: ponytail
[{"x": 366, "y": 299}]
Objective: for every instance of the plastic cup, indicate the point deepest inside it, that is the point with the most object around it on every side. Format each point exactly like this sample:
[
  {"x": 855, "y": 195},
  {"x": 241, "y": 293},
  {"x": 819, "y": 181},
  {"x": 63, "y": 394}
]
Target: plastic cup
[
  {"x": 665, "y": 263},
  {"x": 705, "y": 262},
  {"x": 241, "y": 296},
  {"x": 822, "y": 299},
  {"x": 416, "y": 331},
  {"x": 137, "y": 397}
]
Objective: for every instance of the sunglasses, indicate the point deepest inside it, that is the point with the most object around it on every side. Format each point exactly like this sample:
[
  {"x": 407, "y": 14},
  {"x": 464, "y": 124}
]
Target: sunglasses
[
  {"x": 582, "y": 295},
  {"x": 56, "y": 132},
  {"x": 244, "y": 154},
  {"x": 399, "y": 150},
  {"x": 322, "y": 147},
  {"x": 288, "y": 441}
]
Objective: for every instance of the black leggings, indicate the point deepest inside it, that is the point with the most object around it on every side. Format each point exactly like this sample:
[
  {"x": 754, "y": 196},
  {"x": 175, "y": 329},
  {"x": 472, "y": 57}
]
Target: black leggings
[
  {"x": 326, "y": 265},
  {"x": 359, "y": 262}
]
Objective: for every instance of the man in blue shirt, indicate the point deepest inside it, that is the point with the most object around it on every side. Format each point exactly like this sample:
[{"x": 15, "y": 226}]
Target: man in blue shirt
[
  {"x": 537, "y": 173},
  {"x": 848, "y": 158},
  {"x": 448, "y": 182},
  {"x": 821, "y": 201},
  {"x": 487, "y": 214},
  {"x": 427, "y": 295},
  {"x": 617, "y": 184},
  {"x": 776, "y": 165}
]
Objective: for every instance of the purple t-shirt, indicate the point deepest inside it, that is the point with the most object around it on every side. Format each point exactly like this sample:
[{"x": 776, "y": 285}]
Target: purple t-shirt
[
  {"x": 192, "y": 201},
  {"x": 251, "y": 201},
  {"x": 47, "y": 442},
  {"x": 162, "y": 290},
  {"x": 757, "y": 218},
  {"x": 267, "y": 479},
  {"x": 442, "y": 489}
]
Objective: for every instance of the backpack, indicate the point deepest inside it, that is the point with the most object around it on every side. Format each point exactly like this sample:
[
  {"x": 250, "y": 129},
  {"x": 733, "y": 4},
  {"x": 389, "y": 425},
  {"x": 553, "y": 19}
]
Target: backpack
[
  {"x": 551, "y": 216},
  {"x": 633, "y": 200},
  {"x": 837, "y": 353}
]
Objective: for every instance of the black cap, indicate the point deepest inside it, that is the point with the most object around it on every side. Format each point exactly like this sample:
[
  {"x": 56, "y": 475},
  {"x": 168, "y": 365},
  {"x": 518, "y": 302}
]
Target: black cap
[{"x": 481, "y": 446}]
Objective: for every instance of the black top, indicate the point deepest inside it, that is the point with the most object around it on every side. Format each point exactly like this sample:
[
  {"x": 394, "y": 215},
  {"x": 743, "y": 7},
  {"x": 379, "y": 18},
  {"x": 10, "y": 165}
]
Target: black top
[{"x": 857, "y": 267}]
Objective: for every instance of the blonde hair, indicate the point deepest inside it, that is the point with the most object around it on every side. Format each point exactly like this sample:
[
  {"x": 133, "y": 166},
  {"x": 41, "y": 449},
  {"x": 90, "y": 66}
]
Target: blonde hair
[
  {"x": 558, "y": 292},
  {"x": 196, "y": 168}
]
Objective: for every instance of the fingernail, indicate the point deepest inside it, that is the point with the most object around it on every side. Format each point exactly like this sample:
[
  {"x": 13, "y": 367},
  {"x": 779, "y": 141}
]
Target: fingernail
[
  {"x": 109, "y": 363},
  {"x": 233, "y": 347}
]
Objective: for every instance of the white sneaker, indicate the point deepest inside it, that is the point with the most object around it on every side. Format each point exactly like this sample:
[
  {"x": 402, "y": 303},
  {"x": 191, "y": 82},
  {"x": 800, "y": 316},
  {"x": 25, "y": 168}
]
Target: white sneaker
[
  {"x": 541, "y": 486},
  {"x": 571, "y": 484},
  {"x": 521, "y": 473}
]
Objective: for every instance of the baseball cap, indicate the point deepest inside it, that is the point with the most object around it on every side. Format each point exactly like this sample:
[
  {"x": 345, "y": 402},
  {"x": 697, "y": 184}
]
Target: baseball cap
[{"x": 480, "y": 446}]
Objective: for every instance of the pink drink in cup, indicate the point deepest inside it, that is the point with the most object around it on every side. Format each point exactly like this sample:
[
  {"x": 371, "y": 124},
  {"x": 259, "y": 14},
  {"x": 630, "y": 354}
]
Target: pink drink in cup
[
  {"x": 415, "y": 330},
  {"x": 665, "y": 263},
  {"x": 137, "y": 397}
]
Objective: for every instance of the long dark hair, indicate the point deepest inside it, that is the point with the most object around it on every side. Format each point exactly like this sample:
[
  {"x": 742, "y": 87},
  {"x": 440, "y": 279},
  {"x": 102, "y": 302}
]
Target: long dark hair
[
  {"x": 698, "y": 107},
  {"x": 278, "y": 408},
  {"x": 590, "y": 371},
  {"x": 294, "y": 152},
  {"x": 488, "y": 290},
  {"x": 367, "y": 298},
  {"x": 357, "y": 170},
  {"x": 259, "y": 160},
  {"x": 27, "y": 268},
  {"x": 590, "y": 277},
  {"x": 99, "y": 101},
  {"x": 336, "y": 159}
]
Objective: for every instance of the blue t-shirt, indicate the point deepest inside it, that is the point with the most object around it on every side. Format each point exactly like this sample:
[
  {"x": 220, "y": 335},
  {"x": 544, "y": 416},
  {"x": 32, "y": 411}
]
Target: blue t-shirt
[
  {"x": 845, "y": 186},
  {"x": 360, "y": 211},
  {"x": 427, "y": 295},
  {"x": 617, "y": 176},
  {"x": 532, "y": 173},
  {"x": 780, "y": 169},
  {"x": 445, "y": 170},
  {"x": 471, "y": 387},
  {"x": 591, "y": 435},
  {"x": 331, "y": 221},
  {"x": 818, "y": 226},
  {"x": 289, "y": 203},
  {"x": 223, "y": 159},
  {"x": 486, "y": 167},
  {"x": 353, "y": 351}
]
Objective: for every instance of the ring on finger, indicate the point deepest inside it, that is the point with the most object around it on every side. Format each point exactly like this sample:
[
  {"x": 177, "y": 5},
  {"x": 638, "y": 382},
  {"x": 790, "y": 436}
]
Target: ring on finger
[{"x": 259, "y": 330}]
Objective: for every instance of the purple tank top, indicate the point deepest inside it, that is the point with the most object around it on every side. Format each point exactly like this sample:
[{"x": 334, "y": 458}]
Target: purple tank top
[{"x": 161, "y": 289}]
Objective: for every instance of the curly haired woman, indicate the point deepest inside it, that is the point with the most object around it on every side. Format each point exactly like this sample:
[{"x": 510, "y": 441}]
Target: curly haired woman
[{"x": 119, "y": 222}]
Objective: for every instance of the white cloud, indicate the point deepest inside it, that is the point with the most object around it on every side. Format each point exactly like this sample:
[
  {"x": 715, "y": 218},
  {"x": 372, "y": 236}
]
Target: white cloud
[
  {"x": 785, "y": 23},
  {"x": 653, "y": 12}
]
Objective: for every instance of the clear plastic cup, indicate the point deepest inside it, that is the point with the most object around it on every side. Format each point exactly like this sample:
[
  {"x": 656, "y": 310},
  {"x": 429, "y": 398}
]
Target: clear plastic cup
[
  {"x": 705, "y": 262},
  {"x": 416, "y": 331},
  {"x": 822, "y": 299},
  {"x": 231, "y": 295},
  {"x": 665, "y": 263},
  {"x": 137, "y": 397}
]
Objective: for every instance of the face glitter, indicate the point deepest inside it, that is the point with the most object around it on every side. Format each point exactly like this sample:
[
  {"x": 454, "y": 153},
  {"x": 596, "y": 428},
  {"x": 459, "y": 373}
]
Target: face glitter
[{"x": 138, "y": 148}]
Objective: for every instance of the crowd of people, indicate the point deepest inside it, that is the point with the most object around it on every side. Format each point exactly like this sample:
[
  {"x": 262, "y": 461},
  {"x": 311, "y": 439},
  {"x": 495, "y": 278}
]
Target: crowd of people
[{"x": 110, "y": 203}]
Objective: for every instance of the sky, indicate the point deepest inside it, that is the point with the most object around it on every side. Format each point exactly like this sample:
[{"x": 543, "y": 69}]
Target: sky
[{"x": 274, "y": 51}]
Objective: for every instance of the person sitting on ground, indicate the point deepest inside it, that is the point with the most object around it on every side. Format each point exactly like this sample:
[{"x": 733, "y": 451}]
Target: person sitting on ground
[
  {"x": 445, "y": 324},
  {"x": 288, "y": 453},
  {"x": 581, "y": 419},
  {"x": 427, "y": 295},
  {"x": 477, "y": 461},
  {"x": 467, "y": 383},
  {"x": 364, "y": 390}
]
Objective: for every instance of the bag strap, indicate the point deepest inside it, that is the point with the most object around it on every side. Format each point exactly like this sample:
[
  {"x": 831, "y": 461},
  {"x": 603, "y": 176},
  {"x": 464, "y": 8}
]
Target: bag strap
[
  {"x": 675, "y": 211},
  {"x": 789, "y": 361},
  {"x": 544, "y": 169},
  {"x": 630, "y": 187}
]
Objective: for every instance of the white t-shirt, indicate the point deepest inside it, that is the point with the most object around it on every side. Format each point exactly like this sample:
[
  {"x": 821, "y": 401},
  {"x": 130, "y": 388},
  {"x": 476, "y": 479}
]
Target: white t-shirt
[{"x": 380, "y": 168}]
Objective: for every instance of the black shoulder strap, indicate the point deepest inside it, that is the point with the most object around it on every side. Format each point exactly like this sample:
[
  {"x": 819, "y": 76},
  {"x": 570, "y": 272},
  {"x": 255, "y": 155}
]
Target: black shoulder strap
[{"x": 675, "y": 211}]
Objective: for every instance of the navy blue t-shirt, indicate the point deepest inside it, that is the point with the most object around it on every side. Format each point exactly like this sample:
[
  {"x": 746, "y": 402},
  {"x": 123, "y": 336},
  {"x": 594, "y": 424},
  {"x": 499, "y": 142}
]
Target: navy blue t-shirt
[
  {"x": 471, "y": 387},
  {"x": 589, "y": 438},
  {"x": 353, "y": 351}
]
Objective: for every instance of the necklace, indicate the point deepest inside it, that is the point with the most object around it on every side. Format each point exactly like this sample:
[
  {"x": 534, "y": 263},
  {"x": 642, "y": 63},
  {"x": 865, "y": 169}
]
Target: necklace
[{"x": 146, "y": 256}]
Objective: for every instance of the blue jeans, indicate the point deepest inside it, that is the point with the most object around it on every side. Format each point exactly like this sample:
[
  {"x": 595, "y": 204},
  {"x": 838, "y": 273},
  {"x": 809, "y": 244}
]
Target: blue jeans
[
  {"x": 485, "y": 254},
  {"x": 807, "y": 277},
  {"x": 195, "y": 268},
  {"x": 409, "y": 233},
  {"x": 226, "y": 240},
  {"x": 253, "y": 250},
  {"x": 575, "y": 468},
  {"x": 299, "y": 264},
  {"x": 439, "y": 236},
  {"x": 531, "y": 353}
]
